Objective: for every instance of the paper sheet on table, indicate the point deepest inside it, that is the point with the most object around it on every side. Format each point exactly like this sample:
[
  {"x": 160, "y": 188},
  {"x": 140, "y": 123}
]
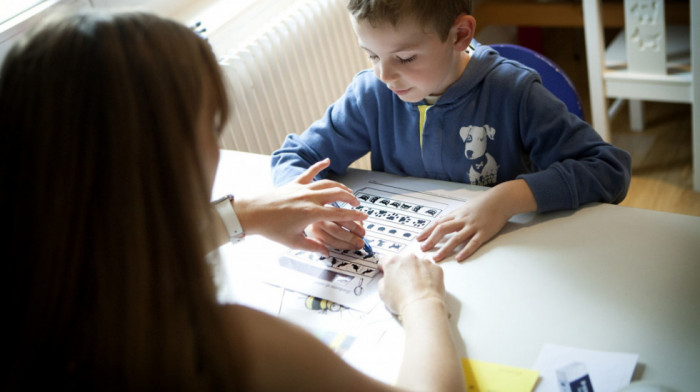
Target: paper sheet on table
[
  {"x": 608, "y": 371},
  {"x": 492, "y": 377},
  {"x": 236, "y": 279},
  {"x": 396, "y": 216}
]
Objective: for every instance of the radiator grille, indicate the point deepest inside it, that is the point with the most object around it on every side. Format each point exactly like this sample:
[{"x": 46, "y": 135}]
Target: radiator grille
[{"x": 288, "y": 76}]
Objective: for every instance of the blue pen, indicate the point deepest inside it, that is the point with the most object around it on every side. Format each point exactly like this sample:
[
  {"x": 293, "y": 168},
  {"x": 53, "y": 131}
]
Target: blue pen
[{"x": 367, "y": 248}]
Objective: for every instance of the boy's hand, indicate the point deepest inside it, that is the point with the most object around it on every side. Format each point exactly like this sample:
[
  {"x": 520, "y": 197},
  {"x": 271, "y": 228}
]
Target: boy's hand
[
  {"x": 478, "y": 220},
  {"x": 473, "y": 224}
]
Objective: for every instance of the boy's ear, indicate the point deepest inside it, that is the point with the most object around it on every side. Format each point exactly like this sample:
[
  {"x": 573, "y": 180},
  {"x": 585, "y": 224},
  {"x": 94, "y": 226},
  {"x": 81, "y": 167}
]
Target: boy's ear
[{"x": 463, "y": 31}]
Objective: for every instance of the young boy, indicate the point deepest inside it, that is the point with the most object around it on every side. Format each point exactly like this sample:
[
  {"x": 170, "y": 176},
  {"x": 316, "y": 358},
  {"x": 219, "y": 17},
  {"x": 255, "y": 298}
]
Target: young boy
[{"x": 436, "y": 108}]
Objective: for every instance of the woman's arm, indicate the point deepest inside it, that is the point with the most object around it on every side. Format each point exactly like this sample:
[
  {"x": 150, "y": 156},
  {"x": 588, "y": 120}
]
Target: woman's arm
[
  {"x": 282, "y": 356},
  {"x": 430, "y": 360},
  {"x": 413, "y": 288},
  {"x": 283, "y": 213}
]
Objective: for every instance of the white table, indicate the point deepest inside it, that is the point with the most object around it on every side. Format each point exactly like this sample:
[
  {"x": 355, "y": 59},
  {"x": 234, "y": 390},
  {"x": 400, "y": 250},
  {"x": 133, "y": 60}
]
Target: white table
[{"x": 604, "y": 277}]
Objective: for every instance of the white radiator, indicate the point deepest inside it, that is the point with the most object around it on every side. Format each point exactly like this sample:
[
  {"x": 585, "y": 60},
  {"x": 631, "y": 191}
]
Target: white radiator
[{"x": 289, "y": 74}]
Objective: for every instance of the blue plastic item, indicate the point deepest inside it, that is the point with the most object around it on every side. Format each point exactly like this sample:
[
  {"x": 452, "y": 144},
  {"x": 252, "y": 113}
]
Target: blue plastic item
[{"x": 553, "y": 77}]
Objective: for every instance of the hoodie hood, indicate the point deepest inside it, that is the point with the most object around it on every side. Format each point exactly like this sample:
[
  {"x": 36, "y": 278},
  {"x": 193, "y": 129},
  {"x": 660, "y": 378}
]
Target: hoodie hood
[{"x": 482, "y": 62}]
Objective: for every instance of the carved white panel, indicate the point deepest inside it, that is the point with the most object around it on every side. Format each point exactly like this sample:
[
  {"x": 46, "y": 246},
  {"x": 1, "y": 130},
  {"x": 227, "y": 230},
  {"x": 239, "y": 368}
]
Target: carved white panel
[{"x": 645, "y": 34}]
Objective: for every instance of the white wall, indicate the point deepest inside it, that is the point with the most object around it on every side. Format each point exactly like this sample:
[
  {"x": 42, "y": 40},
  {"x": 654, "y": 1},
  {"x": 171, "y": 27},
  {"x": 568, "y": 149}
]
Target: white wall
[
  {"x": 212, "y": 13},
  {"x": 12, "y": 29}
]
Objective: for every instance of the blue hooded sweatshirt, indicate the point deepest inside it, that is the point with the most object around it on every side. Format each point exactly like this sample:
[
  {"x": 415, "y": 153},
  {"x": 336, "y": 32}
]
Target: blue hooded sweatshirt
[{"x": 496, "y": 123}]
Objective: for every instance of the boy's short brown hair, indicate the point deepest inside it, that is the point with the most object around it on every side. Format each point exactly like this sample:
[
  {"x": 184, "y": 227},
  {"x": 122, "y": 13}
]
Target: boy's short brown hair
[{"x": 438, "y": 14}]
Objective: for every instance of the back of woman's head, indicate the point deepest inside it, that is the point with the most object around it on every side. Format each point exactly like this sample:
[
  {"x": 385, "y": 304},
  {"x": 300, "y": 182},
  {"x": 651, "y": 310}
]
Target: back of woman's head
[{"x": 106, "y": 193}]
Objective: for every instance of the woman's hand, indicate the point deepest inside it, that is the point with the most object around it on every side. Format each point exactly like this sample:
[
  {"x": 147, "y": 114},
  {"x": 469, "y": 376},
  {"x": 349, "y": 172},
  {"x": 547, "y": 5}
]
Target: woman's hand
[
  {"x": 409, "y": 279},
  {"x": 338, "y": 235},
  {"x": 283, "y": 213},
  {"x": 414, "y": 289}
]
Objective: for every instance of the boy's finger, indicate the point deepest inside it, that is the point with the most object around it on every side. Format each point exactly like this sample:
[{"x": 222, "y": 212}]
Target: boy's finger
[
  {"x": 428, "y": 230},
  {"x": 472, "y": 246},
  {"x": 435, "y": 236},
  {"x": 447, "y": 248}
]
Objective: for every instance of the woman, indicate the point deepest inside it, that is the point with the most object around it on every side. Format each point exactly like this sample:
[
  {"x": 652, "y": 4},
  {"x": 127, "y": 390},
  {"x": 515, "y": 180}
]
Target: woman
[{"x": 109, "y": 130}]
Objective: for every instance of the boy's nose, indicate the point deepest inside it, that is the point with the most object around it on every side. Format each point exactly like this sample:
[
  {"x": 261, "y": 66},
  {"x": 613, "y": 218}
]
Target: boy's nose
[{"x": 385, "y": 72}]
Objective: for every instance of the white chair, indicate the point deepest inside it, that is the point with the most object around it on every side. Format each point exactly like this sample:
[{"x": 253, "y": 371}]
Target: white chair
[{"x": 640, "y": 65}]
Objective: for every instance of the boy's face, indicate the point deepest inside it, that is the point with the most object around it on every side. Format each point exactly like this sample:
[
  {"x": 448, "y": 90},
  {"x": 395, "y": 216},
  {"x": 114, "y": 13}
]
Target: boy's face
[{"x": 413, "y": 62}]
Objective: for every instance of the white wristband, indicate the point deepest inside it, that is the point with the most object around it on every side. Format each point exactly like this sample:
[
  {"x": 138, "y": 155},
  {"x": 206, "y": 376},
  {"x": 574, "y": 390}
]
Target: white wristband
[{"x": 224, "y": 206}]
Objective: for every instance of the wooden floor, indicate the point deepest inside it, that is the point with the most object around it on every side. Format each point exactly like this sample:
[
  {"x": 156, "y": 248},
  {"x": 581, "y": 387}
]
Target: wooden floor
[{"x": 662, "y": 174}]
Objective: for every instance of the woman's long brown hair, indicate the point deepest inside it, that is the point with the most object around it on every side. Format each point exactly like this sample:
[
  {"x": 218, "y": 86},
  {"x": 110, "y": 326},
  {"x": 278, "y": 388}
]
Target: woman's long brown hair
[{"x": 103, "y": 193}]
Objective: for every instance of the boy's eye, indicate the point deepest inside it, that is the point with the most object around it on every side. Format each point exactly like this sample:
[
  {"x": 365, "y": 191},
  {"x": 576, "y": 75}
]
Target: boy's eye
[
  {"x": 373, "y": 57},
  {"x": 408, "y": 60}
]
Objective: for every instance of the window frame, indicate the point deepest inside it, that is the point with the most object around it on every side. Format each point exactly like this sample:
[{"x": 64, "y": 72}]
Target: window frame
[{"x": 11, "y": 29}]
